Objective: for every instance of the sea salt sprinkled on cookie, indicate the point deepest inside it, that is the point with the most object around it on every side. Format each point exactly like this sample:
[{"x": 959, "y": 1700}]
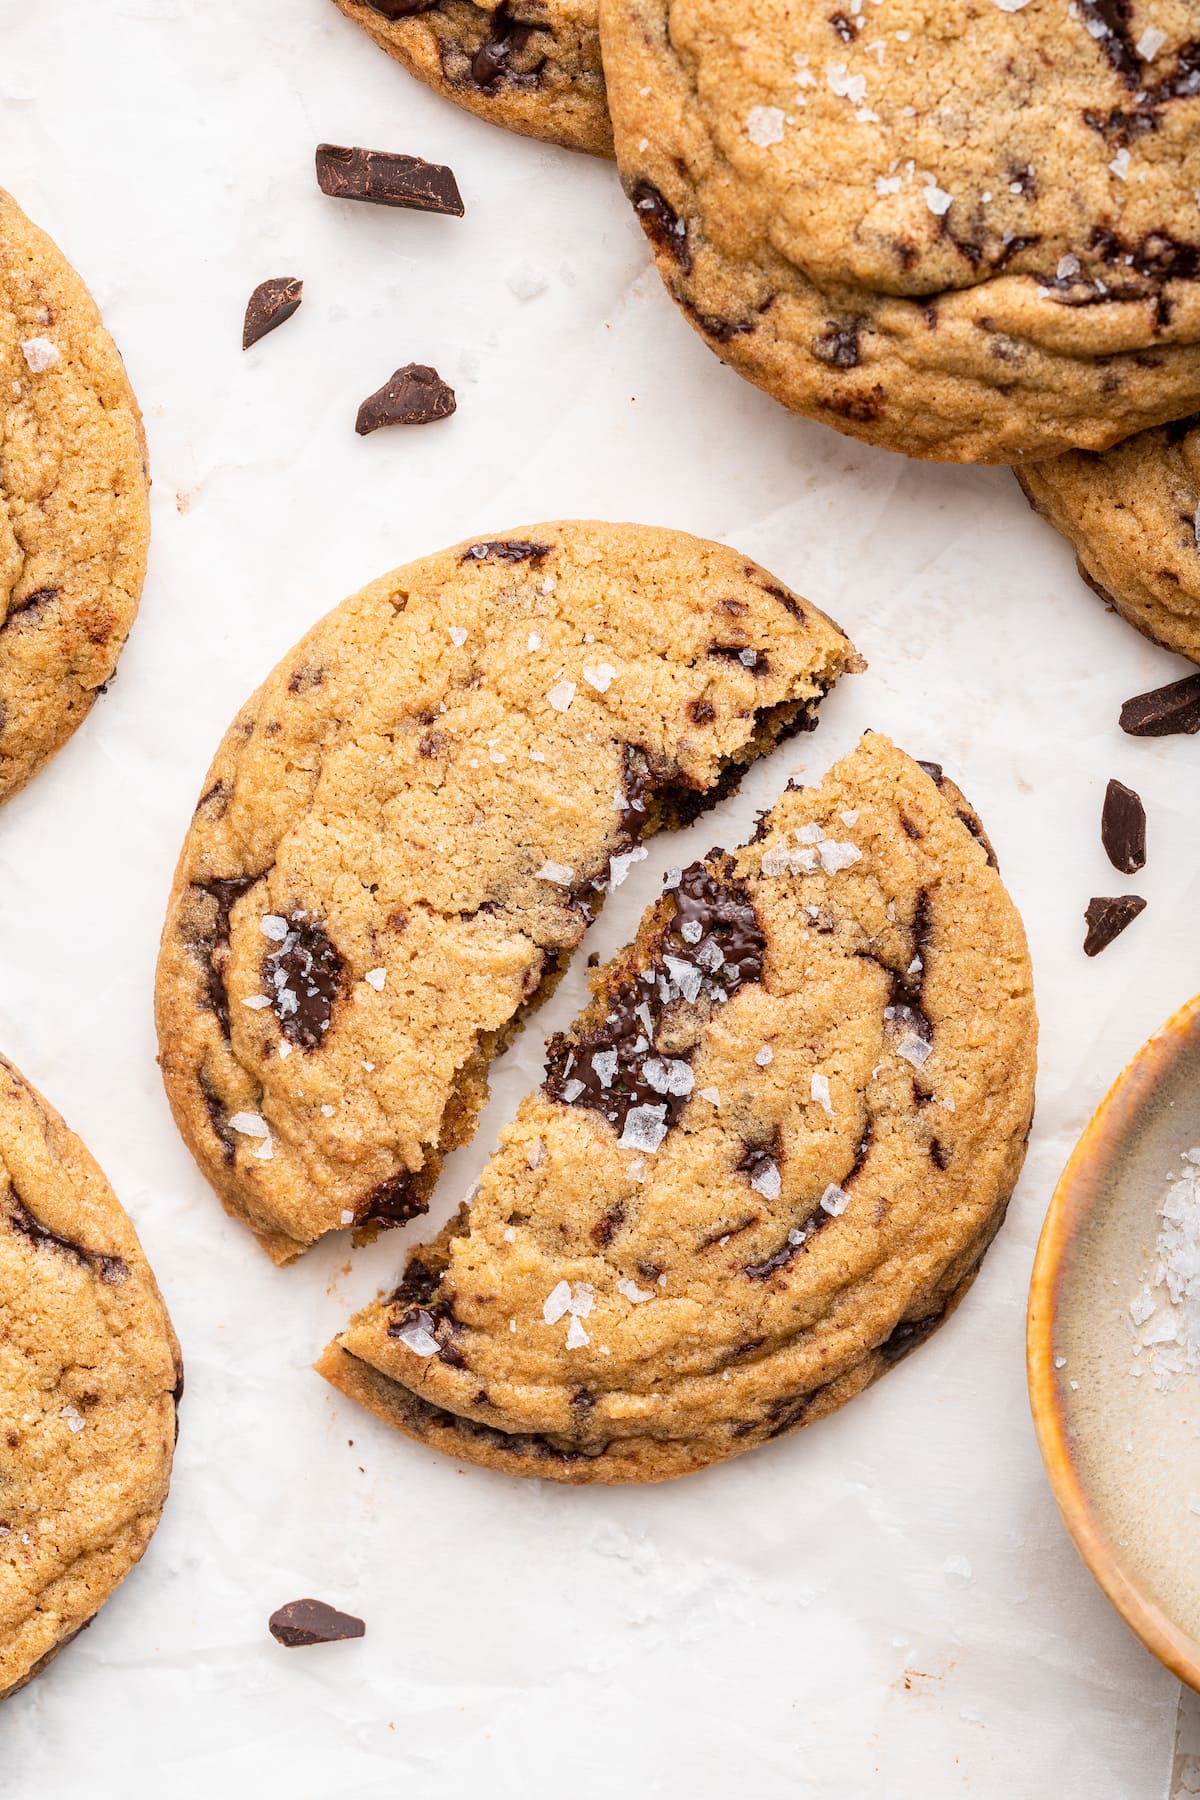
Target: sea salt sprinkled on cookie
[
  {"x": 557, "y": 872},
  {"x": 1120, "y": 164},
  {"x": 619, "y": 866},
  {"x": 417, "y": 1334},
  {"x": 561, "y": 695},
  {"x": 820, "y": 1093},
  {"x": 836, "y": 857},
  {"x": 633, "y": 1292},
  {"x": 766, "y": 1180},
  {"x": 764, "y": 1056},
  {"x": 273, "y": 927},
  {"x": 458, "y": 635},
  {"x": 645, "y": 1128},
  {"x": 937, "y": 199},
  {"x": 40, "y": 354},
  {"x": 599, "y": 675},
  {"x": 764, "y": 125},
  {"x": 376, "y": 978},
  {"x": 74, "y": 1418},
  {"x": 249, "y": 1124},
  {"x": 914, "y": 1050},
  {"x": 1150, "y": 43},
  {"x": 834, "y": 1200}
]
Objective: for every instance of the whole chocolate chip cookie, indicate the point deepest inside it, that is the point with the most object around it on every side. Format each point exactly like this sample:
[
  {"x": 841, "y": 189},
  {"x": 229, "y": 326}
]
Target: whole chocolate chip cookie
[
  {"x": 74, "y": 513},
  {"x": 966, "y": 232},
  {"x": 408, "y": 827},
  {"x": 532, "y": 66},
  {"x": 764, "y": 1164},
  {"x": 89, "y": 1380},
  {"x": 1133, "y": 516}
]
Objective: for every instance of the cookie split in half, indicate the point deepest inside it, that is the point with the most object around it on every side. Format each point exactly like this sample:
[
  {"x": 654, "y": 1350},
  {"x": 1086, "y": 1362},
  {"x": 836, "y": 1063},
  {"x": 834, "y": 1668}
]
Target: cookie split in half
[
  {"x": 408, "y": 827},
  {"x": 74, "y": 508},
  {"x": 966, "y": 232},
  {"x": 764, "y": 1164},
  {"x": 89, "y": 1379},
  {"x": 532, "y": 66},
  {"x": 1133, "y": 517}
]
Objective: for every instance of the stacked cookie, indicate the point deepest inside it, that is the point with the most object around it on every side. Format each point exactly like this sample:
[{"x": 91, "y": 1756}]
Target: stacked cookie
[{"x": 969, "y": 233}]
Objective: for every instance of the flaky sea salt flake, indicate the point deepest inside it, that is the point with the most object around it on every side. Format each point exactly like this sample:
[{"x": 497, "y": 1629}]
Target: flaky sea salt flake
[
  {"x": 40, "y": 354},
  {"x": 764, "y": 126}
]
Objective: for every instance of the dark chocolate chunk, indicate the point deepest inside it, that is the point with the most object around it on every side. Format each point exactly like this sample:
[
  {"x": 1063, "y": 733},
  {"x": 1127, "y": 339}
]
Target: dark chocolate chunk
[
  {"x": 386, "y": 178},
  {"x": 32, "y": 603},
  {"x": 303, "y": 1622},
  {"x": 661, "y": 223},
  {"x": 112, "y": 1270},
  {"x": 1107, "y": 917},
  {"x": 1123, "y": 829},
  {"x": 1164, "y": 711},
  {"x": 508, "y": 550},
  {"x": 711, "y": 946},
  {"x": 391, "y": 1203},
  {"x": 270, "y": 305},
  {"x": 415, "y": 395},
  {"x": 304, "y": 977}
]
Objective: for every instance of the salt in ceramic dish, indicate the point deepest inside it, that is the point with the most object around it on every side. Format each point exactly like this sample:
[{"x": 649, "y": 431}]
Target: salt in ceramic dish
[{"x": 1114, "y": 1349}]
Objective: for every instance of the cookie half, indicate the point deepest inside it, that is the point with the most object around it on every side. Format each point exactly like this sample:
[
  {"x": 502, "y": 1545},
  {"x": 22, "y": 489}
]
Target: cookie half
[
  {"x": 89, "y": 1379},
  {"x": 966, "y": 233},
  {"x": 532, "y": 66},
  {"x": 764, "y": 1164},
  {"x": 74, "y": 506},
  {"x": 408, "y": 827},
  {"x": 1133, "y": 517}
]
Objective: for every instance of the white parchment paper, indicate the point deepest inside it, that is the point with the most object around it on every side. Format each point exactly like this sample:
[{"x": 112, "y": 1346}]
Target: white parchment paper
[{"x": 883, "y": 1608}]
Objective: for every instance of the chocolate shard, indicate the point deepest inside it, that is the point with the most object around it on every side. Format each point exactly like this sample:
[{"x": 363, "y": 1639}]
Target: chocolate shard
[
  {"x": 414, "y": 395},
  {"x": 270, "y": 305},
  {"x": 1107, "y": 917},
  {"x": 1123, "y": 828},
  {"x": 385, "y": 178},
  {"x": 1164, "y": 711},
  {"x": 303, "y": 1622}
]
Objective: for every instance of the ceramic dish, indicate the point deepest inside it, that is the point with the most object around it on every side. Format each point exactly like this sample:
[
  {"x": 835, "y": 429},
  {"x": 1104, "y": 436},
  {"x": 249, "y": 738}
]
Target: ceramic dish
[{"x": 1122, "y": 1452}]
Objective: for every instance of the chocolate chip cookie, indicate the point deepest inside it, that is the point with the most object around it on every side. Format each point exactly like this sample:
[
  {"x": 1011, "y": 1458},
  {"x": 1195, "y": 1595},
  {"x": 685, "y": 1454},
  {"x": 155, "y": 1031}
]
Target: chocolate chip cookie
[
  {"x": 74, "y": 511},
  {"x": 1133, "y": 516},
  {"x": 763, "y": 1165},
  {"x": 89, "y": 1380},
  {"x": 408, "y": 827},
  {"x": 967, "y": 232},
  {"x": 532, "y": 66}
]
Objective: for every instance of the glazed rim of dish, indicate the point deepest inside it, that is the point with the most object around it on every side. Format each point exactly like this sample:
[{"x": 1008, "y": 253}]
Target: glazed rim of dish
[{"x": 1071, "y": 1202}]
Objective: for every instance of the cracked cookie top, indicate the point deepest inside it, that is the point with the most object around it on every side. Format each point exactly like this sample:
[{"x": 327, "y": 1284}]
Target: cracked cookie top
[
  {"x": 532, "y": 66},
  {"x": 74, "y": 516},
  {"x": 762, "y": 1166},
  {"x": 1133, "y": 517},
  {"x": 89, "y": 1378},
  {"x": 967, "y": 232},
  {"x": 409, "y": 826}
]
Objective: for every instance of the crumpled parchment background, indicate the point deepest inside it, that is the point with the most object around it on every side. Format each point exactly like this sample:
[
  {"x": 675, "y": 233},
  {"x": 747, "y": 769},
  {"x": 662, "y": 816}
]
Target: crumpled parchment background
[{"x": 884, "y": 1608}]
